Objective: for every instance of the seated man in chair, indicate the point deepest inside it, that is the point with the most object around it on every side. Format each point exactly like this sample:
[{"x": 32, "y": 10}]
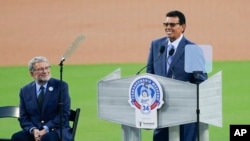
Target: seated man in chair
[{"x": 39, "y": 106}]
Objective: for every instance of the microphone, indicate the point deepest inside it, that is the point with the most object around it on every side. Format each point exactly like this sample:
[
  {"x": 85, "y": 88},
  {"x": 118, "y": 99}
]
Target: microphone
[
  {"x": 162, "y": 49},
  {"x": 63, "y": 59},
  {"x": 61, "y": 62},
  {"x": 170, "y": 53}
]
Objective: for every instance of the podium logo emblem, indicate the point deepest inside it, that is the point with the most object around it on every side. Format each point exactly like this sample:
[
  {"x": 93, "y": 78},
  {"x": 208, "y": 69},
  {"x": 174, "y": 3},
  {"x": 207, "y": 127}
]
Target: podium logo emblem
[{"x": 145, "y": 95}]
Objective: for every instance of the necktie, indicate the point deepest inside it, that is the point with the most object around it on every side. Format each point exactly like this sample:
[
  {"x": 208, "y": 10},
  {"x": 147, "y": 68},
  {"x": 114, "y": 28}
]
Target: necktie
[
  {"x": 170, "y": 56},
  {"x": 41, "y": 97}
]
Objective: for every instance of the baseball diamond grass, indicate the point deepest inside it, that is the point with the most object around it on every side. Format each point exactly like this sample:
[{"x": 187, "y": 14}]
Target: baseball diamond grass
[{"x": 83, "y": 79}]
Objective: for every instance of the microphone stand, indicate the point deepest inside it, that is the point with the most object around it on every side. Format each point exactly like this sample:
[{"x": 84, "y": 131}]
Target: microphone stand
[
  {"x": 67, "y": 53},
  {"x": 60, "y": 98},
  {"x": 198, "y": 114},
  {"x": 196, "y": 75}
]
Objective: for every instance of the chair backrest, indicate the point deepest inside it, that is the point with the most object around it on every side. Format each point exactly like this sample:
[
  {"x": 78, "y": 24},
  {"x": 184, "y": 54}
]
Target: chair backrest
[
  {"x": 9, "y": 111},
  {"x": 74, "y": 116},
  {"x": 13, "y": 112}
]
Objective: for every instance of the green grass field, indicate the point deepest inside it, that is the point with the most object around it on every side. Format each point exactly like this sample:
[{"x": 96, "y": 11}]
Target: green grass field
[{"x": 83, "y": 79}]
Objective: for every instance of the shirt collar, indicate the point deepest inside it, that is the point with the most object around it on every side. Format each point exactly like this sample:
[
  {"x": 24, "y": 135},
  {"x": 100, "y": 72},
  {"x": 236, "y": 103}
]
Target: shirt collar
[
  {"x": 38, "y": 86},
  {"x": 176, "y": 42}
]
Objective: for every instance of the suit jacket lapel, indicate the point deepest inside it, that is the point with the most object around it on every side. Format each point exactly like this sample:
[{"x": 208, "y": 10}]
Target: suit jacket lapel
[
  {"x": 164, "y": 64},
  {"x": 48, "y": 94},
  {"x": 34, "y": 96}
]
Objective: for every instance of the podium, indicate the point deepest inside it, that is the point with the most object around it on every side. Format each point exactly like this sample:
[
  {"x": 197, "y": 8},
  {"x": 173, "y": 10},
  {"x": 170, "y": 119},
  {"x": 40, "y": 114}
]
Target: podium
[{"x": 179, "y": 104}]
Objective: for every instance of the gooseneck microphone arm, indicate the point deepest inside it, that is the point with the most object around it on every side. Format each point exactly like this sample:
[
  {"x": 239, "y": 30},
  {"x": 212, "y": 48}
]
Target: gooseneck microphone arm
[{"x": 162, "y": 49}]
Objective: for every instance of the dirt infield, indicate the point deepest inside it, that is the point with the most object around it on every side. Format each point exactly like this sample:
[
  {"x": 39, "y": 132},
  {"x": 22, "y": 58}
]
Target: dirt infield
[{"x": 116, "y": 31}]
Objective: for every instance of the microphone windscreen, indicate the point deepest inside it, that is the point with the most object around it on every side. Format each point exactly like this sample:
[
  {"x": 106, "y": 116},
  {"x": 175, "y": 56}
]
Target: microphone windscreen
[
  {"x": 171, "y": 52},
  {"x": 162, "y": 49}
]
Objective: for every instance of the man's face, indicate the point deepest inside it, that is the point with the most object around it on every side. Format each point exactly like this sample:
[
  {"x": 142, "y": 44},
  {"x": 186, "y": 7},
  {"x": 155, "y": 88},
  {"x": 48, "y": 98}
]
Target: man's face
[
  {"x": 41, "y": 72},
  {"x": 173, "y": 28}
]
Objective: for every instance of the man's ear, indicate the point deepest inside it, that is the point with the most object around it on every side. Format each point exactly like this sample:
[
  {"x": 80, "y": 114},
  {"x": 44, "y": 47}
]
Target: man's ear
[
  {"x": 31, "y": 73},
  {"x": 183, "y": 28}
]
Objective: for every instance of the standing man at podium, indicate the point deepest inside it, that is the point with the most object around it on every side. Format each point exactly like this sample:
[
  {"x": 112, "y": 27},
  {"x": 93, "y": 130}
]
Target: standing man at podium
[{"x": 171, "y": 64}]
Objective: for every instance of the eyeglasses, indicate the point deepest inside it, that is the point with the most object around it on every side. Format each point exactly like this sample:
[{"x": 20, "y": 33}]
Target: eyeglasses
[
  {"x": 171, "y": 24},
  {"x": 42, "y": 69}
]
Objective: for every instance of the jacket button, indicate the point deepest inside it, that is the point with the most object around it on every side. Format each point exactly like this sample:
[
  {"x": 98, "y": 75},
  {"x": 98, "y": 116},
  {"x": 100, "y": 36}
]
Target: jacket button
[{"x": 42, "y": 121}]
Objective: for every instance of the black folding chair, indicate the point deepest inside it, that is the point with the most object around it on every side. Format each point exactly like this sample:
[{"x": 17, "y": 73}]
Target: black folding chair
[
  {"x": 74, "y": 116},
  {"x": 9, "y": 112},
  {"x": 13, "y": 112}
]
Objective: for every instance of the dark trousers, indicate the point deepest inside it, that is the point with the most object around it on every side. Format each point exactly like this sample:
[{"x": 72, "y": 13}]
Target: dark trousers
[
  {"x": 25, "y": 136},
  {"x": 187, "y": 133}
]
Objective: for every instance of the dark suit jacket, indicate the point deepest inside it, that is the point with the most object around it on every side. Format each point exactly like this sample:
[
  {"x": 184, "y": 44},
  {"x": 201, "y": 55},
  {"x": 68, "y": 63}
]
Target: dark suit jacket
[
  {"x": 31, "y": 116},
  {"x": 177, "y": 65}
]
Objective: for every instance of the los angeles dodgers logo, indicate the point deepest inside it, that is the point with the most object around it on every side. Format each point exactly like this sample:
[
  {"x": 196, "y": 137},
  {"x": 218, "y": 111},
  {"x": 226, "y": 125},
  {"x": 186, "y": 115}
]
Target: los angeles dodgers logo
[{"x": 145, "y": 95}]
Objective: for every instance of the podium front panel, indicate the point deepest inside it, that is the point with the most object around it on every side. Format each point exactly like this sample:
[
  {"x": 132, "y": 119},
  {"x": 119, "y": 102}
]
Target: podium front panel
[
  {"x": 179, "y": 102},
  {"x": 113, "y": 101}
]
